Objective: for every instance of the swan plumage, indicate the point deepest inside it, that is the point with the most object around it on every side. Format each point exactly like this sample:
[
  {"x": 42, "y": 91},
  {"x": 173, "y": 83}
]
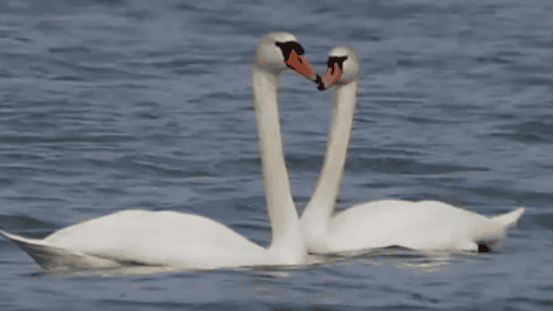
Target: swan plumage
[
  {"x": 168, "y": 238},
  {"x": 418, "y": 225}
]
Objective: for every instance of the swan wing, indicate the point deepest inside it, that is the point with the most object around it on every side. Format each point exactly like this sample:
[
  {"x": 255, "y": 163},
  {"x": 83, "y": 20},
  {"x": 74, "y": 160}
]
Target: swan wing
[
  {"x": 418, "y": 225},
  {"x": 160, "y": 238}
]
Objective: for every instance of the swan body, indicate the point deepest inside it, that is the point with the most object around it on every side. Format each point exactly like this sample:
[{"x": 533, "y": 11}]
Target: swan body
[
  {"x": 419, "y": 225},
  {"x": 148, "y": 238},
  {"x": 167, "y": 238}
]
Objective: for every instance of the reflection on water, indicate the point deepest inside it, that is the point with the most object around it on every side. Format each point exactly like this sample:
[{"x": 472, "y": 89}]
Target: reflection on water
[{"x": 403, "y": 258}]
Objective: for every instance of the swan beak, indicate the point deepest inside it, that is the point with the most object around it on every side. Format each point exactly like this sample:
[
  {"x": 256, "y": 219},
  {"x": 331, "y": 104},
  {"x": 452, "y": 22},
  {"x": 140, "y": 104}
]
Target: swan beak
[
  {"x": 303, "y": 66},
  {"x": 331, "y": 78}
]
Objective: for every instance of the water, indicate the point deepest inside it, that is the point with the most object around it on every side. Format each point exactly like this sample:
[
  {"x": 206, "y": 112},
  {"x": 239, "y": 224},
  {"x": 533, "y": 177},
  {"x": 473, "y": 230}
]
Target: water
[{"x": 110, "y": 105}]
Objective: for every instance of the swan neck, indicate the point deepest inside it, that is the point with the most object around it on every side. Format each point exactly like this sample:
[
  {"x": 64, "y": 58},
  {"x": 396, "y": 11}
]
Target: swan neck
[
  {"x": 320, "y": 207},
  {"x": 286, "y": 237}
]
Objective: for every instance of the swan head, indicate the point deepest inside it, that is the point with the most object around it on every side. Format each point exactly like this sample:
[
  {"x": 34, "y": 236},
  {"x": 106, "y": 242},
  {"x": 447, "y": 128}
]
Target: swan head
[
  {"x": 343, "y": 67},
  {"x": 279, "y": 51}
]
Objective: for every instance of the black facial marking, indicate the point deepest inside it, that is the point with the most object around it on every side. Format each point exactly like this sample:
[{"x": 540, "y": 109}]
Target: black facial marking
[
  {"x": 334, "y": 59},
  {"x": 287, "y": 47}
]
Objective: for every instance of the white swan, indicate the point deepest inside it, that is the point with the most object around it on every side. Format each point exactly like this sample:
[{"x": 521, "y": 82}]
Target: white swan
[
  {"x": 168, "y": 238},
  {"x": 417, "y": 225}
]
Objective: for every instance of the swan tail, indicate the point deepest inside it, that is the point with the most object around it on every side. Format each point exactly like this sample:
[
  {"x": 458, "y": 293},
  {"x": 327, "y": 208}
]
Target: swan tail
[
  {"x": 495, "y": 228},
  {"x": 57, "y": 259},
  {"x": 19, "y": 239},
  {"x": 509, "y": 219}
]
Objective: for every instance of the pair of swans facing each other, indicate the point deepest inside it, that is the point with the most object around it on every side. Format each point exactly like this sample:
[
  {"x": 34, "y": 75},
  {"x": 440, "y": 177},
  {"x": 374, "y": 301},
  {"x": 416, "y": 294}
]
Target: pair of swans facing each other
[{"x": 168, "y": 238}]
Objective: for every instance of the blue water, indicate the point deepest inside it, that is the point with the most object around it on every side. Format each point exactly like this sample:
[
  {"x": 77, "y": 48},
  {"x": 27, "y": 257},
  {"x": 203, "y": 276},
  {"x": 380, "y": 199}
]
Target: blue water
[{"x": 110, "y": 105}]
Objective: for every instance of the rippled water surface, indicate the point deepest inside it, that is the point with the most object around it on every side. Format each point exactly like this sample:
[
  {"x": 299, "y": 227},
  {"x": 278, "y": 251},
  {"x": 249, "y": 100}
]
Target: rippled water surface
[{"x": 111, "y": 105}]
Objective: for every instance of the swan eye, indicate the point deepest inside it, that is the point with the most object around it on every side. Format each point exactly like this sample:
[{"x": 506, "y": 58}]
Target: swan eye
[
  {"x": 338, "y": 60},
  {"x": 287, "y": 47}
]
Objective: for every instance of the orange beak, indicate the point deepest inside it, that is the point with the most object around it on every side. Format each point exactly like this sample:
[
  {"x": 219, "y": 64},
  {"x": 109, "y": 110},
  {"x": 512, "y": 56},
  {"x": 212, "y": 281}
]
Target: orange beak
[
  {"x": 332, "y": 77},
  {"x": 302, "y": 65}
]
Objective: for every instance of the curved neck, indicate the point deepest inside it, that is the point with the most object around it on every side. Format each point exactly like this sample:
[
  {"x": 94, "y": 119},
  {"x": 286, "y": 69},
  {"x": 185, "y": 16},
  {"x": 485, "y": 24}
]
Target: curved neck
[
  {"x": 286, "y": 237},
  {"x": 321, "y": 205}
]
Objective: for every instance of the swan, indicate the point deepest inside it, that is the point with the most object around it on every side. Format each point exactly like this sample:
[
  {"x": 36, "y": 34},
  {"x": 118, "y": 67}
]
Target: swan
[
  {"x": 168, "y": 238},
  {"x": 424, "y": 225}
]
